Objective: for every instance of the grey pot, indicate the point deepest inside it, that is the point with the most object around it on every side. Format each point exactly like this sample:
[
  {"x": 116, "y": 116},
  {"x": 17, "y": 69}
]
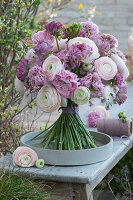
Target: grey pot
[{"x": 102, "y": 152}]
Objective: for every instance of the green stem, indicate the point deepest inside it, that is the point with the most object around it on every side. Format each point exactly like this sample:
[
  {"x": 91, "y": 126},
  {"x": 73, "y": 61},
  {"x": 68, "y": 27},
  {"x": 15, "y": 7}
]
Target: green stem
[
  {"x": 75, "y": 133},
  {"x": 57, "y": 43},
  {"x": 61, "y": 134},
  {"x": 69, "y": 133},
  {"x": 43, "y": 131},
  {"x": 57, "y": 132},
  {"x": 84, "y": 132}
]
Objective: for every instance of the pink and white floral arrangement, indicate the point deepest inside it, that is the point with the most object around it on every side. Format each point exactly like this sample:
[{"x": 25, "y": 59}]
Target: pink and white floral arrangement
[{"x": 69, "y": 66}]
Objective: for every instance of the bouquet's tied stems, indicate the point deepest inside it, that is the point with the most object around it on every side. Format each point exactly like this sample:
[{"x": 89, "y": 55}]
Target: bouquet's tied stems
[{"x": 68, "y": 132}]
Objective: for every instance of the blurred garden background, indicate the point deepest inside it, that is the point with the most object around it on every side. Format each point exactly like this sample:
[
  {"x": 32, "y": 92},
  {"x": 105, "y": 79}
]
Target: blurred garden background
[{"x": 19, "y": 20}]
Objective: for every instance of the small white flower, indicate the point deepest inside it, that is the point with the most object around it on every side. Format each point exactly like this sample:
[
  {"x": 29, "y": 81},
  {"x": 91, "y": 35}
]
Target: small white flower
[
  {"x": 81, "y": 95},
  {"x": 106, "y": 92},
  {"x": 89, "y": 42},
  {"x": 87, "y": 67},
  {"x": 120, "y": 65},
  {"x": 19, "y": 85}
]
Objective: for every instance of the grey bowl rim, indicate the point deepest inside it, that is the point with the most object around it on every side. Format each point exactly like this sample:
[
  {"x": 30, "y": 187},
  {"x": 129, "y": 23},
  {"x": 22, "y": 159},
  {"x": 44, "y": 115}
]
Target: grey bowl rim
[{"x": 108, "y": 144}]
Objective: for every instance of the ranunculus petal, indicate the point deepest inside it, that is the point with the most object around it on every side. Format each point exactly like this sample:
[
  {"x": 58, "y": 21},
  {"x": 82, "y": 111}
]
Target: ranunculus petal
[
  {"x": 81, "y": 95},
  {"x": 121, "y": 65},
  {"x": 48, "y": 99},
  {"x": 24, "y": 157},
  {"x": 106, "y": 68},
  {"x": 52, "y": 65}
]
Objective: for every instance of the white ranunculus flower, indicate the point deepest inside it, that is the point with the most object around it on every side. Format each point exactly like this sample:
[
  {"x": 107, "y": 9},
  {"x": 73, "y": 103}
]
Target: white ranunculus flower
[
  {"x": 19, "y": 85},
  {"x": 87, "y": 67},
  {"x": 106, "y": 92},
  {"x": 89, "y": 42},
  {"x": 52, "y": 65},
  {"x": 120, "y": 65},
  {"x": 48, "y": 99},
  {"x": 81, "y": 95}
]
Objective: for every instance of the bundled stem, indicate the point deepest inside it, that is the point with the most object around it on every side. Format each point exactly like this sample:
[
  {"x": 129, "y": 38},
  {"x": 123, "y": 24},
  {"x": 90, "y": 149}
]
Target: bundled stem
[{"x": 68, "y": 133}]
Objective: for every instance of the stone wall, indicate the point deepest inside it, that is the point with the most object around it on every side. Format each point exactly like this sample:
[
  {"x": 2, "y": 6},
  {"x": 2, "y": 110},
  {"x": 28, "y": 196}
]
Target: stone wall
[{"x": 116, "y": 17}]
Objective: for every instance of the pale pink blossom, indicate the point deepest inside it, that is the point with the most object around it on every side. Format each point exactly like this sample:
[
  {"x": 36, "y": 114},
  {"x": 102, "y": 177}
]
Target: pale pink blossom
[
  {"x": 42, "y": 36},
  {"x": 51, "y": 66},
  {"x": 106, "y": 68},
  {"x": 101, "y": 109},
  {"x": 93, "y": 118},
  {"x": 24, "y": 157},
  {"x": 122, "y": 68},
  {"x": 48, "y": 98}
]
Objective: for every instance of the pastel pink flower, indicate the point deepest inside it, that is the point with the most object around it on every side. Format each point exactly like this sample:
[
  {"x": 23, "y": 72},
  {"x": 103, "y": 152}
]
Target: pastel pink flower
[
  {"x": 42, "y": 36},
  {"x": 106, "y": 68},
  {"x": 93, "y": 118},
  {"x": 122, "y": 68},
  {"x": 101, "y": 109},
  {"x": 86, "y": 80},
  {"x": 48, "y": 98},
  {"x": 66, "y": 83},
  {"x": 24, "y": 157},
  {"x": 51, "y": 66},
  {"x": 62, "y": 45}
]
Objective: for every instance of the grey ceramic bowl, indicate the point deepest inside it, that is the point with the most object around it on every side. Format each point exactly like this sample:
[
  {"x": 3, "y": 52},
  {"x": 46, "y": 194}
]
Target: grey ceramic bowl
[{"x": 71, "y": 157}]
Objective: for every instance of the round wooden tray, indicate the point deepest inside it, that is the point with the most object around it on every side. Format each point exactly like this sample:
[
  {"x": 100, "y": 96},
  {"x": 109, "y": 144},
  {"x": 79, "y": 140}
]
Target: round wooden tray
[{"x": 102, "y": 152}]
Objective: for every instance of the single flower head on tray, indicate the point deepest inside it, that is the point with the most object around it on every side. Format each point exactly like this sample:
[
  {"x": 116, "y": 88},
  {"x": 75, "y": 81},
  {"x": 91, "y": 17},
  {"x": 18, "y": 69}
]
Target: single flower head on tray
[{"x": 74, "y": 64}]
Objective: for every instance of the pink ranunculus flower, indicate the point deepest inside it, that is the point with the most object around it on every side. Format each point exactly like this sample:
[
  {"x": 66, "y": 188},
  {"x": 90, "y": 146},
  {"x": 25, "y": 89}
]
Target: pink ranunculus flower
[
  {"x": 93, "y": 118},
  {"x": 42, "y": 36},
  {"x": 24, "y": 157},
  {"x": 48, "y": 98},
  {"x": 89, "y": 42},
  {"x": 66, "y": 83},
  {"x": 101, "y": 109},
  {"x": 122, "y": 68},
  {"x": 51, "y": 66},
  {"x": 106, "y": 68},
  {"x": 62, "y": 45}
]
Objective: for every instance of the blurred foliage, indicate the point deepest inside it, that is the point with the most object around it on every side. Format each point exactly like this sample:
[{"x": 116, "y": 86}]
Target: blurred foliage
[
  {"x": 17, "y": 22},
  {"x": 120, "y": 179}
]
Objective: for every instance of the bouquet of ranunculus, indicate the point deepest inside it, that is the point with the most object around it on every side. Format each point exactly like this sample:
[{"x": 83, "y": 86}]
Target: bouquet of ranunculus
[{"x": 68, "y": 67}]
